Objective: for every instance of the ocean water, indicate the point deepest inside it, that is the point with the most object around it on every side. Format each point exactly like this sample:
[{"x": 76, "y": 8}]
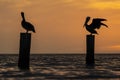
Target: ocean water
[{"x": 61, "y": 67}]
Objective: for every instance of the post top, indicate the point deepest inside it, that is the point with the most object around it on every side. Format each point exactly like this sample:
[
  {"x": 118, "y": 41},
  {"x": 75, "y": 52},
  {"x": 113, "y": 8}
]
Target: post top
[
  {"x": 89, "y": 35},
  {"x": 25, "y": 33}
]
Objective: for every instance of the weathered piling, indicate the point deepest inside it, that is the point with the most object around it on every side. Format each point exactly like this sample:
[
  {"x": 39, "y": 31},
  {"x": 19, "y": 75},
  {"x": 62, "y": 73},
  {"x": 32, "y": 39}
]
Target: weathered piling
[
  {"x": 90, "y": 43},
  {"x": 24, "y": 51}
]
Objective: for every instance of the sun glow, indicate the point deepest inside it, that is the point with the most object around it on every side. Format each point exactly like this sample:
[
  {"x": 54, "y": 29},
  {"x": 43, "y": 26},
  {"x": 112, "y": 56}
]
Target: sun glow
[
  {"x": 68, "y": 0},
  {"x": 106, "y": 5},
  {"x": 59, "y": 24},
  {"x": 115, "y": 47}
]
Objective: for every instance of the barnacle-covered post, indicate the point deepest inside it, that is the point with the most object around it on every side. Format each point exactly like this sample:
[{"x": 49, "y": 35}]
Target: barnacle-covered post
[{"x": 24, "y": 51}]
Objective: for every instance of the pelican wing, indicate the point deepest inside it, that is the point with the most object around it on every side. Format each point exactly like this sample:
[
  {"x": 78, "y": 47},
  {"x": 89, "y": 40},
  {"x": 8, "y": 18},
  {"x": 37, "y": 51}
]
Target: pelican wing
[
  {"x": 96, "y": 23},
  {"x": 100, "y": 19},
  {"x": 29, "y": 26}
]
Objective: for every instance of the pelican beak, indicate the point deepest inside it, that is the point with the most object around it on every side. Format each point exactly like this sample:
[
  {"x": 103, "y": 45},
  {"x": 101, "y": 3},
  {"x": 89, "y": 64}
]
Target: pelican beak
[{"x": 84, "y": 25}]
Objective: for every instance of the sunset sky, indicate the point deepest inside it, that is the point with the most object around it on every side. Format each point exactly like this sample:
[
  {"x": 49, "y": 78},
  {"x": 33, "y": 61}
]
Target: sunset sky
[{"x": 59, "y": 25}]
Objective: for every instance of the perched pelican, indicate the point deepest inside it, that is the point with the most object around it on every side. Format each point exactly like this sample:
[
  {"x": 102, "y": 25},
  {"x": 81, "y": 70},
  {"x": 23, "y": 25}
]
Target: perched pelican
[
  {"x": 96, "y": 24},
  {"x": 26, "y": 25}
]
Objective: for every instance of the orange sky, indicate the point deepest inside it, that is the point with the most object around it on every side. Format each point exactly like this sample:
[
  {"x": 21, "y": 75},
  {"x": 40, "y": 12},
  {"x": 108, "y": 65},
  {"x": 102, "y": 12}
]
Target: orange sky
[{"x": 59, "y": 25}]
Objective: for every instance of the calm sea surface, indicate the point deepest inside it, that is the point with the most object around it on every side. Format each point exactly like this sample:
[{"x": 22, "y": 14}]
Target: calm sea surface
[{"x": 61, "y": 67}]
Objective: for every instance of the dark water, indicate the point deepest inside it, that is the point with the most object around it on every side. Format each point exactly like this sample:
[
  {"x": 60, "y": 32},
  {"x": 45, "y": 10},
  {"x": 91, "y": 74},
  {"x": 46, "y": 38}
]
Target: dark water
[{"x": 61, "y": 67}]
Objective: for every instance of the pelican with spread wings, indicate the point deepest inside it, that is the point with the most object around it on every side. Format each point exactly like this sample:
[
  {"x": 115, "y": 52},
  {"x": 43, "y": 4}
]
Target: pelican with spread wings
[{"x": 96, "y": 24}]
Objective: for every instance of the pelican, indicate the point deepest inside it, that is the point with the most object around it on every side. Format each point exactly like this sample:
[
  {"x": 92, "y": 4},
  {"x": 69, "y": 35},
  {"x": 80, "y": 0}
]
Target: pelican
[
  {"x": 96, "y": 24},
  {"x": 26, "y": 25}
]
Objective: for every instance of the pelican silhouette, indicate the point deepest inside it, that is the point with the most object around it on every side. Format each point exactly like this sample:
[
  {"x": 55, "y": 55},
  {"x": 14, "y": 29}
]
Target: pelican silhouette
[
  {"x": 26, "y": 25},
  {"x": 96, "y": 24}
]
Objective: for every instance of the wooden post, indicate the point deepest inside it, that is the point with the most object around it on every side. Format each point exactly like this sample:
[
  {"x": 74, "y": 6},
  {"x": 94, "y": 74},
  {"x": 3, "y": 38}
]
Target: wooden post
[
  {"x": 24, "y": 51},
  {"x": 90, "y": 40}
]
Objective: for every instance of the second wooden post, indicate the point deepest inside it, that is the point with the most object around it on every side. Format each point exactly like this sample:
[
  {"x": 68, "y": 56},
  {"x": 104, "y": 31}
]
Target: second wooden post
[{"x": 90, "y": 43}]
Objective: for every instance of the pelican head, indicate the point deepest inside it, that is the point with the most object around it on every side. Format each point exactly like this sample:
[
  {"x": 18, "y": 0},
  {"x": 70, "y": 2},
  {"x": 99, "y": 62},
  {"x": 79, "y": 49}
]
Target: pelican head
[
  {"x": 22, "y": 14},
  {"x": 87, "y": 19}
]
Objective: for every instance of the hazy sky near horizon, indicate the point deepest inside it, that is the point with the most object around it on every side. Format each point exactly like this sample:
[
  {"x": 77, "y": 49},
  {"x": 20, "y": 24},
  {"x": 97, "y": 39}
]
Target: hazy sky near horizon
[{"x": 59, "y": 25}]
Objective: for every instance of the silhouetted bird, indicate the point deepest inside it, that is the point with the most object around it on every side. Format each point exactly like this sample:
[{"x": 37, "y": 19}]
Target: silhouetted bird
[
  {"x": 26, "y": 25},
  {"x": 96, "y": 24}
]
